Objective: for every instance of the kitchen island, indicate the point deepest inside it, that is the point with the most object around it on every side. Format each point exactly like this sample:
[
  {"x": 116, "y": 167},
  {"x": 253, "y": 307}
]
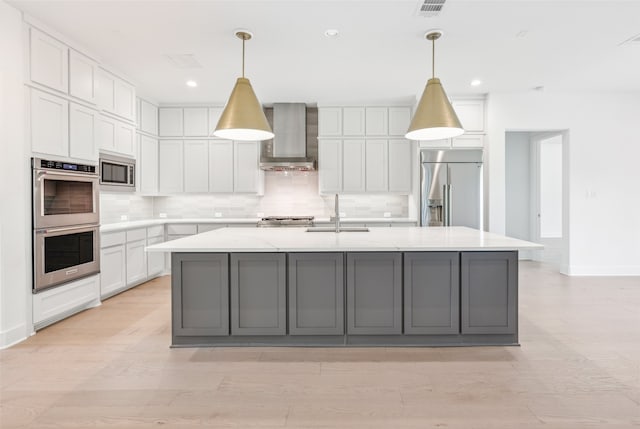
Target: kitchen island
[{"x": 389, "y": 286}]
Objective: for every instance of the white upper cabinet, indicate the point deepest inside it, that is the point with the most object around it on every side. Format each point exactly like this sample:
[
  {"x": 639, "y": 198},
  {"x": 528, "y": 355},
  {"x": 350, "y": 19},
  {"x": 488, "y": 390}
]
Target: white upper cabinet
[
  {"x": 125, "y": 138},
  {"x": 148, "y": 120},
  {"x": 49, "y": 123},
  {"x": 470, "y": 113},
  {"x": 214, "y": 116},
  {"x": 82, "y": 77},
  {"x": 114, "y": 95},
  {"x": 377, "y": 165},
  {"x": 170, "y": 171},
  {"x": 353, "y": 121},
  {"x": 105, "y": 90},
  {"x": 330, "y": 163},
  {"x": 82, "y": 133},
  {"x": 400, "y": 165},
  {"x": 148, "y": 166},
  {"x": 246, "y": 173},
  {"x": 353, "y": 166},
  {"x": 376, "y": 120},
  {"x": 171, "y": 122},
  {"x": 125, "y": 100},
  {"x": 468, "y": 140},
  {"x": 196, "y": 122},
  {"x": 399, "y": 120},
  {"x": 196, "y": 165},
  {"x": 48, "y": 61},
  {"x": 221, "y": 166},
  {"x": 330, "y": 121},
  {"x": 106, "y": 133}
]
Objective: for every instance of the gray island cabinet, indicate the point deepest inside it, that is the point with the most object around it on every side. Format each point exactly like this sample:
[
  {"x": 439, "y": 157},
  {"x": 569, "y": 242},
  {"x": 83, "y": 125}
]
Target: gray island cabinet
[{"x": 418, "y": 287}]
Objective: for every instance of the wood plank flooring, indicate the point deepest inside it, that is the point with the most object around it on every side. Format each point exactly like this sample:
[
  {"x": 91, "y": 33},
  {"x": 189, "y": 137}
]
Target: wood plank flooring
[{"x": 110, "y": 367}]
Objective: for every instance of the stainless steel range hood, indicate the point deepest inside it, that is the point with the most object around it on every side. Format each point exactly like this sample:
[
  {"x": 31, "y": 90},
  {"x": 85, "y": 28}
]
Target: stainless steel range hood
[{"x": 289, "y": 149}]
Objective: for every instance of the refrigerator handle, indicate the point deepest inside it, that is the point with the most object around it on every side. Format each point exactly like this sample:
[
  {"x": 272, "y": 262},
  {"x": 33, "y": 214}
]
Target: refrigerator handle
[{"x": 446, "y": 201}]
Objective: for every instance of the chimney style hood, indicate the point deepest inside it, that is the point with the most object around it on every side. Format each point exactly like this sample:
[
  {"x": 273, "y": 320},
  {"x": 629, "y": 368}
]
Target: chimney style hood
[{"x": 290, "y": 140}]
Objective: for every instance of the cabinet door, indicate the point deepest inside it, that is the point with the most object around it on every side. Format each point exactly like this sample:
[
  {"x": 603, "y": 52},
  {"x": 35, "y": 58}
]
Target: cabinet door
[
  {"x": 377, "y": 165},
  {"x": 489, "y": 288},
  {"x": 353, "y": 166},
  {"x": 106, "y": 133},
  {"x": 155, "y": 260},
  {"x": 48, "y": 61},
  {"x": 125, "y": 138},
  {"x": 136, "y": 262},
  {"x": 105, "y": 90},
  {"x": 148, "y": 166},
  {"x": 400, "y": 165},
  {"x": 374, "y": 293},
  {"x": 112, "y": 269},
  {"x": 468, "y": 140},
  {"x": 170, "y": 121},
  {"x": 214, "y": 116},
  {"x": 196, "y": 122},
  {"x": 221, "y": 166},
  {"x": 196, "y": 166},
  {"x": 316, "y": 293},
  {"x": 258, "y": 294},
  {"x": 170, "y": 170},
  {"x": 247, "y": 175},
  {"x": 376, "y": 121},
  {"x": 329, "y": 121},
  {"x": 330, "y": 166},
  {"x": 200, "y": 294},
  {"x": 82, "y": 133},
  {"x": 353, "y": 121},
  {"x": 148, "y": 118},
  {"x": 438, "y": 144},
  {"x": 49, "y": 124},
  {"x": 431, "y": 293},
  {"x": 470, "y": 113},
  {"x": 399, "y": 120},
  {"x": 82, "y": 74},
  {"x": 125, "y": 100}
]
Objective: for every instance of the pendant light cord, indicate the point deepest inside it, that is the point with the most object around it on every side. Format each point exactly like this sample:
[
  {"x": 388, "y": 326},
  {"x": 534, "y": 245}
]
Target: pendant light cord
[
  {"x": 433, "y": 58},
  {"x": 243, "y": 40}
]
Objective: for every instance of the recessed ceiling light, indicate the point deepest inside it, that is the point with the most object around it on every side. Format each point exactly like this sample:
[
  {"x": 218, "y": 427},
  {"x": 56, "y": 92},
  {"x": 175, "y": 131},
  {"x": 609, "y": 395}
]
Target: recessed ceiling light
[
  {"x": 476, "y": 82},
  {"x": 192, "y": 83},
  {"x": 332, "y": 32}
]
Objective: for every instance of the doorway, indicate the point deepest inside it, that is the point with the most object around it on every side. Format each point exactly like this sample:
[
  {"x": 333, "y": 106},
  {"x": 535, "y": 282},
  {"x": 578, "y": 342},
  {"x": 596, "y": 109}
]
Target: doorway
[{"x": 536, "y": 193}]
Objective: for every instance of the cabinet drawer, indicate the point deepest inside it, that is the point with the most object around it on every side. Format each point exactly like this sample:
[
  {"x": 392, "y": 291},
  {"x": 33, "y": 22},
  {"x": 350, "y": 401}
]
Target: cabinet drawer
[
  {"x": 136, "y": 234},
  {"x": 182, "y": 229},
  {"x": 112, "y": 239},
  {"x": 155, "y": 231}
]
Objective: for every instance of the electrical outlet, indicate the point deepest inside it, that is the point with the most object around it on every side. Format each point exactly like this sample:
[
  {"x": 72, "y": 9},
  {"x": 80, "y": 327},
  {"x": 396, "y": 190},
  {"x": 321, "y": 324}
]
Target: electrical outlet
[
  {"x": 124, "y": 217},
  {"x": 162, "y": 215},
  {"x": 343, "y": 214},
  {"x": 217, "y": 214},
  {"x": 387, "y": 214},
  {"x": 260, "y": 214}
]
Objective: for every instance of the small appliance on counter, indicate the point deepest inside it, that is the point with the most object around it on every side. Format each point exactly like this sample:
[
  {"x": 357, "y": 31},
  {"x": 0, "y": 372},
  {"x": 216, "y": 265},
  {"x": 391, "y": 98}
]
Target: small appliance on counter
[
  {"x": 66, "y": 221},
  {"x": 117, "y": 173},
  {"x": 280, "y": 221}
]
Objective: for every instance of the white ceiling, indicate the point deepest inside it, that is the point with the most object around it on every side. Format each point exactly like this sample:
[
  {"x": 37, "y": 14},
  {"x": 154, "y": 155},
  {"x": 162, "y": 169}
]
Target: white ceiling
[{"x": 380, "y": 55}]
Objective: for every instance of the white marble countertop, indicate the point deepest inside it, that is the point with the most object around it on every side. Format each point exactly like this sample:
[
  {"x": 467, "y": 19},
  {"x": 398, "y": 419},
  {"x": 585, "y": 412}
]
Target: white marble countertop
[
  {"x": 377, "y": 239},
  {"x": 123, "y": 226}
]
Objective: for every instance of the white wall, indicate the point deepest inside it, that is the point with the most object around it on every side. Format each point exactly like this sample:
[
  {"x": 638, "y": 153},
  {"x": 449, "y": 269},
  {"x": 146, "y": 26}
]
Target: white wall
[
  {"x": 601, "y": 156},
  {"x": 15, "y": 217},
  {"x": 517, "y": 183}
]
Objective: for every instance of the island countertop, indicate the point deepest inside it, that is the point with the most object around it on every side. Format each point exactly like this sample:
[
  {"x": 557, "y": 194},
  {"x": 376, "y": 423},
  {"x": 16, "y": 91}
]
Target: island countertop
[{"x": 406, "y": 239}]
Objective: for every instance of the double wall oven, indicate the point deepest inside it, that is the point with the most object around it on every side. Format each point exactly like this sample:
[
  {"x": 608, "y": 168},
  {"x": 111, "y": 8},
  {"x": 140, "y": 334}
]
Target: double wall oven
[{"x": 66, "y": 221}]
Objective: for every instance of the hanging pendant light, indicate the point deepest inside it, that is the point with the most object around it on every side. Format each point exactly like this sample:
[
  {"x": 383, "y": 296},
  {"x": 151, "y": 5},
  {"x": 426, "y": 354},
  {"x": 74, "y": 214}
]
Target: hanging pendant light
[
  {"x": 243, "y": 117},
  {"x": 435, "y": 118}
]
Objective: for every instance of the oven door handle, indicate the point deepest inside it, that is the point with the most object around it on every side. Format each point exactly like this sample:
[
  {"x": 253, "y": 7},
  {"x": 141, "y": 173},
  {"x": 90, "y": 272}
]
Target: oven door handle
[{"x": 78, "y": 228}]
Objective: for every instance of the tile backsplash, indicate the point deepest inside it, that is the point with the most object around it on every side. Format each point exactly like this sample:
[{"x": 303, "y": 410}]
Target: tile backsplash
[{"x": 285, "y": 194}]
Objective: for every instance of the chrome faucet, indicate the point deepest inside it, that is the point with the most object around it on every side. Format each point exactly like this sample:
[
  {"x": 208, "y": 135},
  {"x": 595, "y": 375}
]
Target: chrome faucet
[{"x": 337, "y": 214}]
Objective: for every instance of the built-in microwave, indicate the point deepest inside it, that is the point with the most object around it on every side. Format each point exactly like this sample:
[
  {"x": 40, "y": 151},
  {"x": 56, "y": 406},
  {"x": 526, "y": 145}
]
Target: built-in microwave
[{"x": 117, "y": 173}]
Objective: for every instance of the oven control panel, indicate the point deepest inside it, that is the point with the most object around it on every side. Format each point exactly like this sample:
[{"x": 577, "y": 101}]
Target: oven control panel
[{"x": 67, "y": 166}]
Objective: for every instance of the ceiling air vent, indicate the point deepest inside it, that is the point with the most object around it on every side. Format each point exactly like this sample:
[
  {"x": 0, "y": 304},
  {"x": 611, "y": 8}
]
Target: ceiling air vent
[
  {"x": 430, "y": 8},
  {"x": 183, "y": 61}
]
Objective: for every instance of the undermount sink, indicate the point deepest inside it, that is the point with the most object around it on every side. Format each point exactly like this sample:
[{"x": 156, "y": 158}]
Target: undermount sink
[{"x": 341, "y": 229}]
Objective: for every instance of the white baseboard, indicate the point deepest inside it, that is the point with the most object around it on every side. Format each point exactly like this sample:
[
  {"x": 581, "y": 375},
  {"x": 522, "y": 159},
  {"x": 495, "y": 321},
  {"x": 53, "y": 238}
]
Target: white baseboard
[
  {"x": 594, "y": 270},
  {"x": 13, "y": 336}
]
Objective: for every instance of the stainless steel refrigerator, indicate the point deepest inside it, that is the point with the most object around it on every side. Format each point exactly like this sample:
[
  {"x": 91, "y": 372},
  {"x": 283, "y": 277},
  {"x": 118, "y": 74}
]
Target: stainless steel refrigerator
[{"x": 451, "y": 188}]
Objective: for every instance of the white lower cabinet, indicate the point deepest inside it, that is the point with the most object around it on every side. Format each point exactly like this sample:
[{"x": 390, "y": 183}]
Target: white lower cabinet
[
  {"x": 113, "y": 262},
  {"x": 155, "y": 260},
  {"x": 136, "y": 262},
  {"x": 55, "y": 304}
]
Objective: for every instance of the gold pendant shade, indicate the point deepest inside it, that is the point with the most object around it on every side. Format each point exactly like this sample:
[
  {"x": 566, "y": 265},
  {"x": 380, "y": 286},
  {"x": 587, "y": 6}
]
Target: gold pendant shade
[
  {"x": 434, "y": 118},
  {"x": 243, "y": 117}
]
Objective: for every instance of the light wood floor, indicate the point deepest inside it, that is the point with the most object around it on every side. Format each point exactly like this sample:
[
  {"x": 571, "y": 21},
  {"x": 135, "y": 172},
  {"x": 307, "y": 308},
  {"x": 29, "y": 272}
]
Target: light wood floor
[{"x": 578, "y": 367}]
